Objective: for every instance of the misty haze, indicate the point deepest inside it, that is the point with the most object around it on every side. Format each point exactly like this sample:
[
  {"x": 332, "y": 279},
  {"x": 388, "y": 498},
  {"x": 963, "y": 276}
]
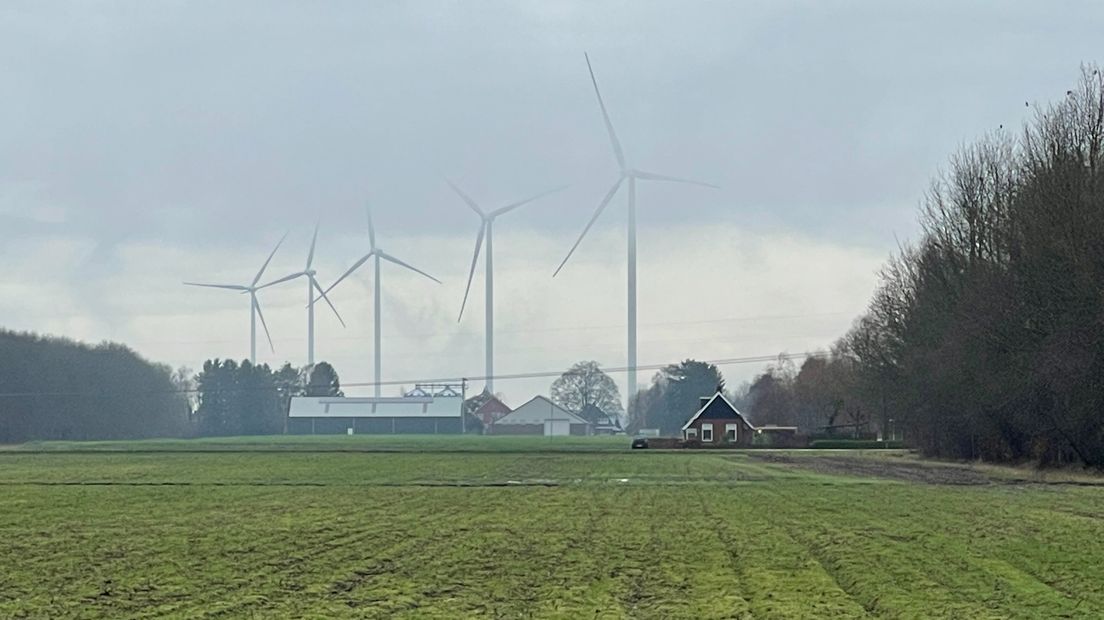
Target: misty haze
[{"x": 617, "y": 310}]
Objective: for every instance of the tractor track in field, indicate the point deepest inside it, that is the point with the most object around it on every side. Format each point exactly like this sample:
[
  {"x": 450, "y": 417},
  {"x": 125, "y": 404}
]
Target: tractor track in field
[
  {"x": 937, "y": 473},
  {"x": 732, "y": 547},
  {"x": 366, "y": 485},
  {"x": 822, "y": 559}
]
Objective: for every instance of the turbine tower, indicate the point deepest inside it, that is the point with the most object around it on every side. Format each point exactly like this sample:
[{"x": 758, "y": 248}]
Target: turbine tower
[
  {"x": 486, "y": 230},
  {"x": 254, "y": 305},
  {"x": 374, "y": 252},
  {"x": 631, "y": 175},
  {"x": 312, "y": 286}
]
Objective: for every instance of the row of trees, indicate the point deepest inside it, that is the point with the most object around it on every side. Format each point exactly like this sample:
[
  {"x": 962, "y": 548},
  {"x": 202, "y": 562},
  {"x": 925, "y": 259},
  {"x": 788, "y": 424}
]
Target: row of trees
[
  {"x": 53, "y": 388},
  {"x": 587, "y": 391},
  {"x": 673, "y": 396},
  {"x": 247, "y": 399},
  {"x": 57, "y": 389},
  {"x": 822, "y": 397},
  {"x": 985, "y": 339}
]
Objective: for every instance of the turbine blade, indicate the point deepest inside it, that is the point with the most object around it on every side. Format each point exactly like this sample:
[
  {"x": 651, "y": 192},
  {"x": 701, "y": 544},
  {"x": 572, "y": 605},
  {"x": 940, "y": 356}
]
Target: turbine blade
[
  {"x": 605, "y": 116},
  {"x": 314, "y": 240},
  {"x": 322, "y": 295},
  {"x": 651, "y": 176},
  {"x": 471, "y": 273},
  {"x": 232, "y": 287},
  {"x": 257, "y": 306},
  {"x": 260, "y": 273},
  {"x": 466, "y": 198},
  {"x": 282, "y": 280},
  {"x": 371, "y": 228},
  {"x": 597, "y": 212},
  {"x": 388, "y": 257},
  {"x": 514, "y": 205},
  {"x": 350, "y": 270}
]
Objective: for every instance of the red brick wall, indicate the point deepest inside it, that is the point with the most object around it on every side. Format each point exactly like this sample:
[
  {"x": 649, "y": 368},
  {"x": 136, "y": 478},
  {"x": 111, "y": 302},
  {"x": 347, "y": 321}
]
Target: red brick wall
[
  {"x": 491, "y": 411},
  {"x": 743, "y": 433}
]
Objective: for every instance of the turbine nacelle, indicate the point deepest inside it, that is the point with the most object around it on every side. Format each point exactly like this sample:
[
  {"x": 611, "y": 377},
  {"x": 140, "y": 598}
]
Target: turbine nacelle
[
  {"x": 632, "y": 175},
  {"x": 255, "y": 304},
  {"x": 486, "y": 220},
  {"x": 376, "y": 251},
  {"x": 627, "y": 172}
]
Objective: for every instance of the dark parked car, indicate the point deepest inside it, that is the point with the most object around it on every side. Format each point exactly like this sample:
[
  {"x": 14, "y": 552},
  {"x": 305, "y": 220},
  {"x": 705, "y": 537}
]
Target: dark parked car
[{"x": 639, "y": 443}]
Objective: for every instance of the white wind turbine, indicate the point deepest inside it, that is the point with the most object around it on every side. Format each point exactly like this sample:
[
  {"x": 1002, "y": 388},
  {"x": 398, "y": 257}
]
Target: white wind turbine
[
  {"x": 312, "y": 286},
  {"x": 254, "y": 305},
  {"x": 631, "y": 175},
  {"x": 378, "y": 254},
  {"x": 486, "y": 230}
]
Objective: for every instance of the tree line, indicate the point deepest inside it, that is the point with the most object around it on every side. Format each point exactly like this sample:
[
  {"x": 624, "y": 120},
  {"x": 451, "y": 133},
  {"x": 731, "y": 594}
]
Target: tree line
[
  {"x": 58, "y": 389},
  {"x": 985, "y": 337},
  {"x": 246, "y": 399},
  {"x": 54, "y": 388}
]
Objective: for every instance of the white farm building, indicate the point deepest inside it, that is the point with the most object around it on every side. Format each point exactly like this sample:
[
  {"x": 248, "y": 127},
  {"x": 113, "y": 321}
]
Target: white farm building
[
  {"x": 540, "y": 416},
  {"x": 412, "y": 414}
]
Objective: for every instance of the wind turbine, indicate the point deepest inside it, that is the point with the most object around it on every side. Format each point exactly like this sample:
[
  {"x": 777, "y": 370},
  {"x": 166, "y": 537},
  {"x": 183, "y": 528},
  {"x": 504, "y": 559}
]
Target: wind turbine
[
  {"x": 631, "y": 175},
  {"x": 486, "y": 230},
  {"x": 254, "y": 305},
  {"x": 378, "y": 254},
  {"x": 312, "y": 286}
]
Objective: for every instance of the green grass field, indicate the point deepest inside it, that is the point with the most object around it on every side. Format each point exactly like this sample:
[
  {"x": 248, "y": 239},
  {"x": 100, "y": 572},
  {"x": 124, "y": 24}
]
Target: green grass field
[{"x": 529, "y": 527}]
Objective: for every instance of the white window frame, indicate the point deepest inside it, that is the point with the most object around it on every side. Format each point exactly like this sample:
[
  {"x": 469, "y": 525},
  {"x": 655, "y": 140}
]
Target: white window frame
[
  {"x": 691, "y": 433},
  {"x": 735, "y": 428},
  {"x": 707, "y": 432}
]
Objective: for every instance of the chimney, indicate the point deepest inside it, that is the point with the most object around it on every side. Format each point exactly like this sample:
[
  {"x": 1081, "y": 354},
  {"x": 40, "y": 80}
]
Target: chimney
[{"x": 703, "y": 400}]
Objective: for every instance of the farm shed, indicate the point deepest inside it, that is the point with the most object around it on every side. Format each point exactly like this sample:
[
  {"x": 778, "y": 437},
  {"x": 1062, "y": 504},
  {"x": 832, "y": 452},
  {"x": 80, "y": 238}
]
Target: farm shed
[
  {"x": 540, "y": 416},
  {"x": 718, "y": 421},
  {"x": 779, "y": 436},
  {"x": 330, "y": 415},
  {"x": 608, "y": 425}
]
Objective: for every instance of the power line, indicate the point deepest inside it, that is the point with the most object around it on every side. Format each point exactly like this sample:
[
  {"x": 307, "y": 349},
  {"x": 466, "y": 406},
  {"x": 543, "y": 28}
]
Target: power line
[
  {"x": 503, "y": 377},
  {"x": 560, "y": 328}
]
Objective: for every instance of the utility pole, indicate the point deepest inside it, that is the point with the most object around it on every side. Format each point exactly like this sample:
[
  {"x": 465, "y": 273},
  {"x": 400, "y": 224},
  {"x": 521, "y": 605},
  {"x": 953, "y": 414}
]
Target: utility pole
[{"x": 463, "y": 404}]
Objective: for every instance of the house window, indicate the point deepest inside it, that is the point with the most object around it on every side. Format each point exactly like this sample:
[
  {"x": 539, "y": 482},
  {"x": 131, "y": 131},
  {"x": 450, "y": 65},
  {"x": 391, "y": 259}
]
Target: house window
[
  {"x": 730, "y": 432},
  {"x": 691, "y": 433},
  {"x": 707, "y": 432}
]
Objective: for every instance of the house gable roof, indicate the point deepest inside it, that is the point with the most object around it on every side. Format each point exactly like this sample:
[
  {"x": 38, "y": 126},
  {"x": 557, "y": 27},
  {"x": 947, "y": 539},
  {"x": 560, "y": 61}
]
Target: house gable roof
[
  {"x": 717, "y": 408},
  {"x": 492, "y": 405},
  {"x": 536, "y": 411}
]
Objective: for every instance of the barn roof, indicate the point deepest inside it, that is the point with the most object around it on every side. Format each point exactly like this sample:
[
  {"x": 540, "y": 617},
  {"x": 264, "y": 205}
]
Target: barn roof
[
  {"x": 492, "y": 404},
  {"x": 717, "y": 408},
  {"x": 383, "y": 407},
  {"x": 536, "y": 411}
]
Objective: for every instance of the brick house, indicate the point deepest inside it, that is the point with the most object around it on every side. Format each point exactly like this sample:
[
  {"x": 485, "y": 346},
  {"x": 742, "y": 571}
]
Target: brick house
[
  {"x": 490, "y": 410},
  {"x": 717, "y": 421}
]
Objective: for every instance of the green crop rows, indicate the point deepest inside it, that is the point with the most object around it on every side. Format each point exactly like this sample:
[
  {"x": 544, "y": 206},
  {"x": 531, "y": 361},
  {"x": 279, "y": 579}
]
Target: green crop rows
[{"x": 527, "y": 533}]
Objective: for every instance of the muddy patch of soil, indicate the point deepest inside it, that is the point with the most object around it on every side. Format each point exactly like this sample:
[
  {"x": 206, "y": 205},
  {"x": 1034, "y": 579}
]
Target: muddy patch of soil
[{"x": 910, "y": 471}]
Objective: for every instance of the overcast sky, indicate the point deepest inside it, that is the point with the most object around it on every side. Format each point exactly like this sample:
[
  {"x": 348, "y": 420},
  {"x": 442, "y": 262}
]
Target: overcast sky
[{"x": 146, "y": 143}]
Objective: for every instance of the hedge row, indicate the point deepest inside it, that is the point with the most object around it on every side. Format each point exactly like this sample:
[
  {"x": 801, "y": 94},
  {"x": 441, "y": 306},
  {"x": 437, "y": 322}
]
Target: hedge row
[{"x": 855, "y": 444}]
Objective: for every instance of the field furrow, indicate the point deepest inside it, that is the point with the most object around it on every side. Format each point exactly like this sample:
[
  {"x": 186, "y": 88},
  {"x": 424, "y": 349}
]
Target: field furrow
[{"x": 511, "y": 534}]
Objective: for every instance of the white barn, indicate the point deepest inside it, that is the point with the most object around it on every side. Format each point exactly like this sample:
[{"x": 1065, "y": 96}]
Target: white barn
[
  {"x": 330, "y": 415},
  {"x": 540, "y": 416}
]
